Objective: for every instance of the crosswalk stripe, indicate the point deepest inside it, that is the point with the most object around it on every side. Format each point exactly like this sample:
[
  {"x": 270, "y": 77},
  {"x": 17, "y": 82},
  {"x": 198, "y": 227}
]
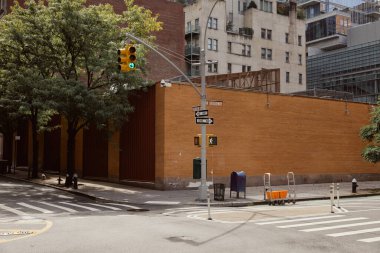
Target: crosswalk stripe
[
  {"x": 80, "y": 206},
  {"x": 356, "y": 232},
  {"x": 42, "y": 210},
  {"x": 60, "y": 207},
  {"x": 124, "y": 205},
  {"x": 12, "y": 210},
  {"x": 301, "y": 219},
  {"x": 341, "y": 226},
  {"x": 108, "y": 207},
  {"x": 374, "y": 239},
  {"x": 320, "y": 222}
]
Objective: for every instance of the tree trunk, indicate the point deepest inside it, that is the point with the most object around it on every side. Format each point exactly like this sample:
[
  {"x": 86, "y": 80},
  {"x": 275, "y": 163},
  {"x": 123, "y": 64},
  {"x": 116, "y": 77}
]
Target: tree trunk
[
  {"x": 35, "y": 148},
  {"x": 71, "y": 132}
]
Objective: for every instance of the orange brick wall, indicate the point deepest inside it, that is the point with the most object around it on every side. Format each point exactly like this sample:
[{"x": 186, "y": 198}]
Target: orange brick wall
[{"x": 317, "y": 139}]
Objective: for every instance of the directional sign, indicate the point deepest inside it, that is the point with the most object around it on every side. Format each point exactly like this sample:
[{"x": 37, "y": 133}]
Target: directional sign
[
  {"x": 201, "y": 113},
  {"x": 207, "y": 121}
]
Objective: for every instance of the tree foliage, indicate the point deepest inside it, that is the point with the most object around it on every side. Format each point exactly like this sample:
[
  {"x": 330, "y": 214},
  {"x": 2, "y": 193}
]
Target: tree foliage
[
  {"x": 371, "y": 134},
  {"x": 60, "y": 56}
]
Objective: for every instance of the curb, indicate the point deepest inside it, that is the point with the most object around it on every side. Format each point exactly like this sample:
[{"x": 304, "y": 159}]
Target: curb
[{"x": 214, "y": 204}]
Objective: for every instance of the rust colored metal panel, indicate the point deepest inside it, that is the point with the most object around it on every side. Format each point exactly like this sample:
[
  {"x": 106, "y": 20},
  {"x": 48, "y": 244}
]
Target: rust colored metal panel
[
  {"x": 137, "y": 139},
  {"x": 95, "y": 153},
  {"x": 52, "y": 146},
  {"x": 22, "y": 144}
]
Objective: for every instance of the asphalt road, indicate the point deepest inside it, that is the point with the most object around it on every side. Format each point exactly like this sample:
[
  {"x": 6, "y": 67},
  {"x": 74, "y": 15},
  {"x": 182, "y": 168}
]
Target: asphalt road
[{"x": 41, "y": 219}]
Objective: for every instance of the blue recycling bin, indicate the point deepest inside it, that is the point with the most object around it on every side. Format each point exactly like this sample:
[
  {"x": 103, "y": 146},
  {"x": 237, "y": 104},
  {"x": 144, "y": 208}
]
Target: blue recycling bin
[{"x": 238, "y": 183}]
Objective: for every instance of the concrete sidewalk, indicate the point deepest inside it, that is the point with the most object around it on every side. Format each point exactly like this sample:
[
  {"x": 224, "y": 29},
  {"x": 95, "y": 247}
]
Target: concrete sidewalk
[{"x": 104, "y": 191}]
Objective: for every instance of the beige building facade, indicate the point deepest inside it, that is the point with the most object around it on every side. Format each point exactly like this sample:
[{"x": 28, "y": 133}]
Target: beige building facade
[{"x": 243, "y": 36}]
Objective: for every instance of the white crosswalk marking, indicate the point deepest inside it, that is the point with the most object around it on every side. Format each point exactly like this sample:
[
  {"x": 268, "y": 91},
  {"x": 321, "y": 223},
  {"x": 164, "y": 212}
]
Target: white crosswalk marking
[
  {"x": 59, "y": 207},
  {"x": 340, "y": 226},
  {"x": 129, "y": 206},
  {"x": 320, "y": 222},
  {"x": 12, "y": 210},
  {"x": 108, "y": 207},
  {"x": 42, "y": 210},
  {"x": 80, "y": 206},
  {"x": 355, "y": 232},
  {"x": 374, "y": 239},
  {"x": 301, "y": 219}
]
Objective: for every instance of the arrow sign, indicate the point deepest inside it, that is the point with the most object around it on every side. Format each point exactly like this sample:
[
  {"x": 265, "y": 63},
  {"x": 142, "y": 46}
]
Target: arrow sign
[
  {"x": 201, "y": 113},
  {"x": 209, "y": 121}
]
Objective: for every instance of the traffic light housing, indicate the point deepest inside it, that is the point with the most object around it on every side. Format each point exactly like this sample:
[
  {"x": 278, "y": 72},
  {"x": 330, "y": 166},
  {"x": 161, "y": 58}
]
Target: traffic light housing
[
  {"x": 211, "y": 140},
  {"x": 127, "y": 58}
]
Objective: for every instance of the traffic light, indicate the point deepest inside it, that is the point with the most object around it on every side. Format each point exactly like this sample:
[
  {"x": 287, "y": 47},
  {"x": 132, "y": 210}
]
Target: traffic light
[{"x": 127, "y": 58}]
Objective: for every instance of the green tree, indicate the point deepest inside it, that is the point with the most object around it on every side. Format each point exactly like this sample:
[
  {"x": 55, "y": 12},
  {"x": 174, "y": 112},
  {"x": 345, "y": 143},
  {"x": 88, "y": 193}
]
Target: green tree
[
  {"x": 371, "y": 134},
  {"x": 78, "y": 46}
]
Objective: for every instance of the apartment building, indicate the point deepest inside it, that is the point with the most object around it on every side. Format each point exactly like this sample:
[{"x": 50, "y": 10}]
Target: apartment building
[{"x": 244, "y": 35}]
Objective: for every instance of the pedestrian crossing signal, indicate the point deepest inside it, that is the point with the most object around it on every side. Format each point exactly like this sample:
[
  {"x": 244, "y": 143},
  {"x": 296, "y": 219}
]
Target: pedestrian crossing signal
[{"x": 211, "y": 140}]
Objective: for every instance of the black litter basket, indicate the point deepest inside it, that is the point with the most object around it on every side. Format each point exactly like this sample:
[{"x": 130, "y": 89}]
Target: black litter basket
[{"x": 219, "y": 192}]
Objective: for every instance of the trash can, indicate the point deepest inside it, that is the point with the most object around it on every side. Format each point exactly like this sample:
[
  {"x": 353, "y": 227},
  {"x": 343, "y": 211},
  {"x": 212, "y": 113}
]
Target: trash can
[
  {"x": 238, "y": 183},
  {"x": 197, "y": 174},
  {"x": 219, "y": 192}
]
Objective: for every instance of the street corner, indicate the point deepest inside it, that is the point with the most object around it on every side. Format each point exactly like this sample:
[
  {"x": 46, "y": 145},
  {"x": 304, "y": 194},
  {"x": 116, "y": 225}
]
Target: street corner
[{"x": 12, "y": 230}]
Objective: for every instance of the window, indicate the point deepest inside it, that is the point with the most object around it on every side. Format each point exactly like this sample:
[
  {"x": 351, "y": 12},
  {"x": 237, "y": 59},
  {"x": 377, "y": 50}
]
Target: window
[
  {"x": 212, "y": 67},
  {"x": 265, "y": 6},
  {"x": 188, "y": 26},
  {"x": 263, "y": 53},
  {"x": 212, "y": 44},
  {"x": 299, "y": 40},
  {"x": 299, "y": 78},
  {"x": 212, "y": 23},
  {"x": 229, "y": 47},
  {"x": 196, "y": 22},
  {"x": 287, "y": 77},
  {"x": 209, "y": 68},
  {"x": 287, "y": 57},
  {"x": 266, "y": 53},
  {"x": 243, "y": 68},
  {"x": 229, "y": 68},
  {"x": 299, "y": 59},
  {"x": 215, "y": 67},
  {"x": 248, "y": 50},
  {"x": 248, "y": 68},
  {"x": 266, "y": 34},
  {"x": 287, "y": 38}
]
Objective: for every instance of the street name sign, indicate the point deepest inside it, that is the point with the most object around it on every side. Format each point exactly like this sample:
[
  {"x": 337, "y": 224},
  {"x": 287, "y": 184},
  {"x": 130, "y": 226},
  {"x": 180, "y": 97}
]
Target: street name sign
[
  {"x": 201, "y": 113},
  {"x": 206, "y": 121}
]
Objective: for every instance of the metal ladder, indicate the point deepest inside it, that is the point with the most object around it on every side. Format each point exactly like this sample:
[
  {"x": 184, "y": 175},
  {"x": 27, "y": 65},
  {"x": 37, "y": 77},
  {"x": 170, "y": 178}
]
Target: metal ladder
[
  {"x": 291, "y": 187},
  {"x": 267, "y": 186}
]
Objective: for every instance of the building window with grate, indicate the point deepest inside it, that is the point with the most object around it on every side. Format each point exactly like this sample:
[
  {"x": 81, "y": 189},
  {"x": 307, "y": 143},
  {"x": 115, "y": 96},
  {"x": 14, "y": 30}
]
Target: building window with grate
[
  {"x": 299, "y": 40},
  {"x": 287, "y": 57},
  {"x": 299, "y": 59},
  {"x": 287, "y": 77},
  {"x": 299, "y": 78}
]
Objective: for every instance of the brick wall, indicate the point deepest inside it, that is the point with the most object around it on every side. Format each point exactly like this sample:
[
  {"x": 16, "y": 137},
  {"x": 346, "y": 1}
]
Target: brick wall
[{"x": 317, "y": 139}]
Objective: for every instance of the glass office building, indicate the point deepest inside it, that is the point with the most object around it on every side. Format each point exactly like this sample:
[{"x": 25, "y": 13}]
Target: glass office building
[{"x": 354, "y": 69}]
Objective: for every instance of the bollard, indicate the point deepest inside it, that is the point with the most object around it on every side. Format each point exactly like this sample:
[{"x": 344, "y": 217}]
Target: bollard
[
  {"x": 59, "y": 179},
  {"x": 354, "y": 185},
  {"x": 75, "y": 181},
  {"x": 208, "y": 204},
  {"x": 337, "y": 194},
  {"x": 332, "y": 197}
]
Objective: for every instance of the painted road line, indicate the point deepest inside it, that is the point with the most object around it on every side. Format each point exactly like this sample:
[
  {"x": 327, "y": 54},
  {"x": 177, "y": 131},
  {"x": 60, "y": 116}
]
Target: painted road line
[
  {"x": 42, "y": 210},
  {"x": 12, "y": 210},
  {"x": 108, "y": 207},
  {"x": 59, "y": 207},
  {"x": 341, "y": 226},
  {"x": 356, "y": 232},
  {"x": 321, "y": 222},
  {"x": 80, "y": 206},
  {"x": 163, "y": 202},
  {"x": 124, "y": 205},
  {"x": 373, "y": 239},
  {"x": 302, "y": 219}
]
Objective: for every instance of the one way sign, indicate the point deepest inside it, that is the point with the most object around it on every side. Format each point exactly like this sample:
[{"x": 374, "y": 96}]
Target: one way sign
[
  {"x": 201, "y": 113},
  {"x": 207, "y": 121}
]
